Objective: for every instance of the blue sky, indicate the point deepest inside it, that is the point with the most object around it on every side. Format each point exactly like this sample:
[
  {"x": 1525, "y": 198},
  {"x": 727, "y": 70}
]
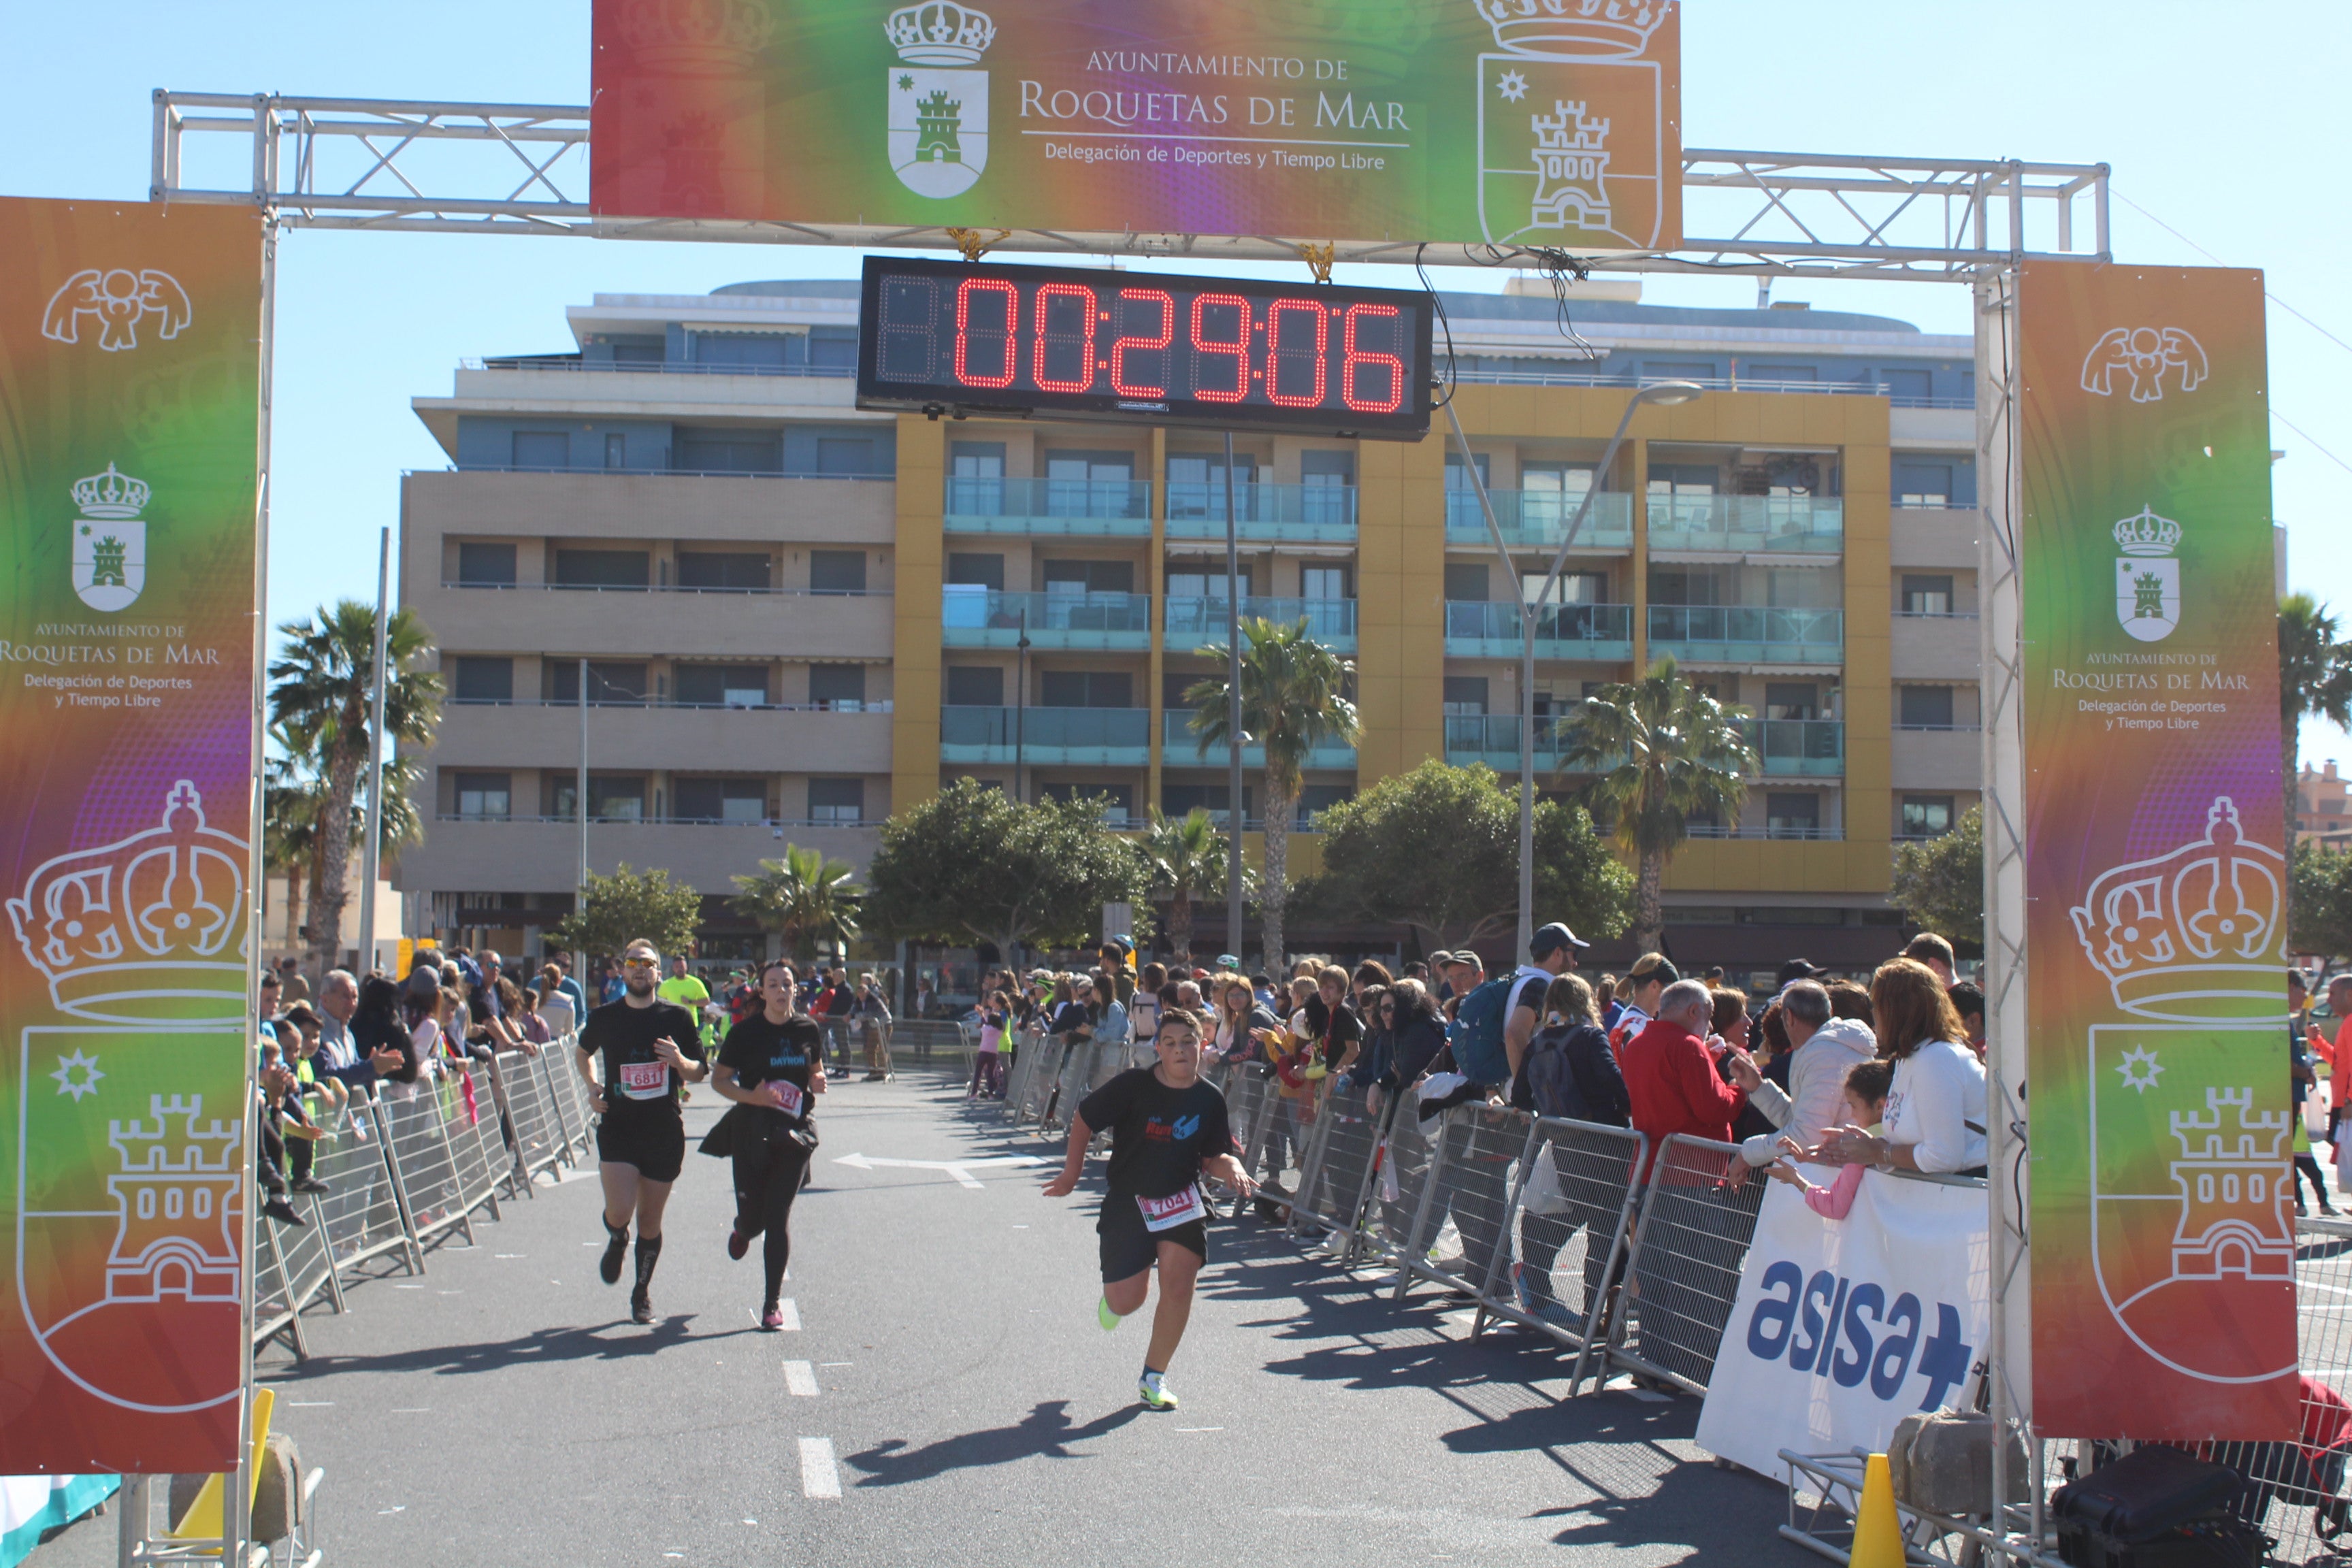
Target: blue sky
[{"x": 2211, "y": 117}]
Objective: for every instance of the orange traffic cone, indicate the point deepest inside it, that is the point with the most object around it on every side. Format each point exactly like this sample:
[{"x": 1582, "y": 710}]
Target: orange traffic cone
[{"x": 1877, "y": 1532}]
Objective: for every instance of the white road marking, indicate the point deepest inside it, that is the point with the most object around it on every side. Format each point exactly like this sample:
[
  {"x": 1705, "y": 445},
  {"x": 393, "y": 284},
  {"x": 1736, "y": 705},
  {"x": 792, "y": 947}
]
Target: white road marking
[
  {"x": 414, "y": 1410},
  {"x": 1200, "y": 1428},
  {"x": 800, "y": 1378},
  {"x": 382, "y": 1511},
  {"x": 820, "y": 1477},
  {"x": 791, "y": 1312},
  {"x": 825, "y": 1363},
  {"x": 959, "y": 1168},
  {"x": 521, "y": 1255},
  {"x": 1649, "y": 1396}
]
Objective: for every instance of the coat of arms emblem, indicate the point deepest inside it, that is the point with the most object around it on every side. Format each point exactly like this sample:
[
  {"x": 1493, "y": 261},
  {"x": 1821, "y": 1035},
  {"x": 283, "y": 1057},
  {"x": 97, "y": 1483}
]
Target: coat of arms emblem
[
  {"x": 110, "y": 542},
  {"x": 2147, "y": 579},
  {"x": 1570, "y": 123},
  {"x": 939, "y": 118}
]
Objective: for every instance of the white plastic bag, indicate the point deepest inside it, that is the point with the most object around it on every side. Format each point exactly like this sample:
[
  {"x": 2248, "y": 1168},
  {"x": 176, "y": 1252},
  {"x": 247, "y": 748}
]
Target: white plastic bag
[{"x": 1541, "y": 1194}]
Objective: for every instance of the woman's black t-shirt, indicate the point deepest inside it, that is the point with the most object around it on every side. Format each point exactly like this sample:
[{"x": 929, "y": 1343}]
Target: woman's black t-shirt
[
  {"x": 636, "y": 1081},
  {"x": 758, "y": 1052},
  {"x": 1158, "y": 1135}
]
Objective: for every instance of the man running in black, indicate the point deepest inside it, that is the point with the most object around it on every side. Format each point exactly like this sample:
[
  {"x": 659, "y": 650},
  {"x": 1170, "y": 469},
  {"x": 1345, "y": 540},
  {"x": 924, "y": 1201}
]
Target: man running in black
[
  {"x": 652, "y": 1049},
  {"x": 772, "y": 1063},
  {"x": 1166, "y": 1128}
]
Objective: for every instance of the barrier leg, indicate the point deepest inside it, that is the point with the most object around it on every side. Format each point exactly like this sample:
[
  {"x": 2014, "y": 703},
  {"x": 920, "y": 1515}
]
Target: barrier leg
[
  {"x": 1310, "y": 1166},
  {"x": 416, "y": 1247},
  {"x": 1413, "y": 1242}
]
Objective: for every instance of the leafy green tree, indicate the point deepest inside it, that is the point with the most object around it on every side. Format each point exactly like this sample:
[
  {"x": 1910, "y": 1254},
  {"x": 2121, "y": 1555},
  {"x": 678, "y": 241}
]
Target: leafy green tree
[
  {"x": 1188, "y": 857},
  {"x": 2319, "y": 900},
  {"x": 1661, "y": 753},
  {"x": 973, "y": 865},
  {"x": 626, "y": 905},
  {"x": 812, "y": 901},
  {"x": 1438, "y": 849},
  {"x": 323, "y": 682},
  {"x": 1294, "y": 698},
  {"x": 2314, "y": 681},
  {"x": 1939, "y": 881}
]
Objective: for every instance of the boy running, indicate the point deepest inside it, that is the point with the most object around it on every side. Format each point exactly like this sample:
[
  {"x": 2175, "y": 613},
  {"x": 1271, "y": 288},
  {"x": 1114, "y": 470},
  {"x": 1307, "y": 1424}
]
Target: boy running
[{"x": 1167, "y": 1128}]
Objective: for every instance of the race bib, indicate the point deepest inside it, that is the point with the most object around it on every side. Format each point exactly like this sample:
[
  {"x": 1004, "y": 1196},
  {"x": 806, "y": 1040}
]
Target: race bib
[
  {"x": 644, "y": 1080},
  {"x": 793, "y": 1098},
  {"x": 1168, "y": 1213}
]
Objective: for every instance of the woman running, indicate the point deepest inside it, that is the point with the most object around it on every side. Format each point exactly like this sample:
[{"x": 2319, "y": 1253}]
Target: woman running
[
  {"x": 771, "y": 1064},
  {"x": 1166, "y": 1128}
]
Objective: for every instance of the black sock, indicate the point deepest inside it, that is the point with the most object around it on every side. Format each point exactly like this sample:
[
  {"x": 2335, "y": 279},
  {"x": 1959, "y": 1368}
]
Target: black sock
[
  {"x": 648, "y": 1253},
  {"x": 617, "y": 1234},
  {"x": 778, "y": 1256}
]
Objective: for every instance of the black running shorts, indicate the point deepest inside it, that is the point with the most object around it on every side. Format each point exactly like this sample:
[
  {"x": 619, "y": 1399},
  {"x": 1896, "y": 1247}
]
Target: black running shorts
[
  {"x": 655, "y": 1145},
  {"x": 1128, "y": 1248}
]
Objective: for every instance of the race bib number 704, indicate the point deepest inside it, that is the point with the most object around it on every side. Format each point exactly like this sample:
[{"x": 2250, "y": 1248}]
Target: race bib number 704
[{"x": 1168, "y": 1213}]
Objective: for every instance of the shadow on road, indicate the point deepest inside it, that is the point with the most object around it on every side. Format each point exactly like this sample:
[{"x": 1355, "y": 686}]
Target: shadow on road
[
  {"x": 616, "y": 1340},
  {"x": 1046, "y": 1432}
]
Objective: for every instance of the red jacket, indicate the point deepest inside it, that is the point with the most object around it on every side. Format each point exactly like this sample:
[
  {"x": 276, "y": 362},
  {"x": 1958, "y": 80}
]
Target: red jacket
[{"x": 1671, "y": 1082}]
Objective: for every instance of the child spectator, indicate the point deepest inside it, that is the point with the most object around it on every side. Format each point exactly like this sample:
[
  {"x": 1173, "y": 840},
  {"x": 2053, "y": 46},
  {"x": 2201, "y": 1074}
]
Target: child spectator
[{"x": 1866, "y": 1087}]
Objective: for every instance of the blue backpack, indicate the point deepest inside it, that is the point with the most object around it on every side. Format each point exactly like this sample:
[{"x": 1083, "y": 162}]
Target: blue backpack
[{"x": 1478, "y": 1033}]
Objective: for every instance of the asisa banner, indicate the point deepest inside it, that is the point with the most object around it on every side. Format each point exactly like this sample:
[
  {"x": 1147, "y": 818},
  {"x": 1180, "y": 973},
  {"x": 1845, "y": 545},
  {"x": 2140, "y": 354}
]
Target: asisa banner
[
  {"x": 130, "y": 361},
  {"x": 1549, "y": 123},
  {"x": 2163, "y": 1278},
  {"x": 1842, "y": 1328}
]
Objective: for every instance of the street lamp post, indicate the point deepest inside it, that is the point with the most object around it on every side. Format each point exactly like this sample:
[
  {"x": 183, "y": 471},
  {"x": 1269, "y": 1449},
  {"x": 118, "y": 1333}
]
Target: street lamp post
[
  {"x": 1234, "y": 815},
  {"x": 1021, "y": 707},
  {"x": 372, "y": 859},
  {"x": 1665, "y": 394}
]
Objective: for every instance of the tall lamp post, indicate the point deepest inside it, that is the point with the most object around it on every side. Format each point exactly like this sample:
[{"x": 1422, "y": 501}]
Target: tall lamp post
[
  {"x": 1021, "y": 707},
  {"x": 1235, "y": 817},
  {"x": 372, "y": 855},
  {"x": 1665, "y": 393}
]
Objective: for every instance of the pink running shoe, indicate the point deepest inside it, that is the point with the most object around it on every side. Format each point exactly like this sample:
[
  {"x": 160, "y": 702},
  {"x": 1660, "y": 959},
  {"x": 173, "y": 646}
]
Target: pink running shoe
[{"x": 771, "y": 1317}]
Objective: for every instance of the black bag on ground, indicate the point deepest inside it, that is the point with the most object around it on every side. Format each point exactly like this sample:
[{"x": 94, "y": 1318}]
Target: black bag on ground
[{"x": 2155, "y": 1508}]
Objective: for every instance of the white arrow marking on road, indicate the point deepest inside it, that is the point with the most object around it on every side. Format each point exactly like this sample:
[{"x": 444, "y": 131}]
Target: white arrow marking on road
[{"x": 959, "y": 1168}]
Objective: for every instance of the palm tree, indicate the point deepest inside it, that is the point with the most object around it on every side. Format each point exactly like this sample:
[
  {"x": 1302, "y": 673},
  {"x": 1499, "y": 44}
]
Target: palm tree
[
  {"x": 289, "y": 826},
  {"x": 1661, "y": 753},
  {"x": 324, "y": 681},
  {"x": 2315, "y": 679},
  {"x": 807, "y": 897},
  {"x": 1294, "y": 698},
  {"x": 1188, "y": 856}
]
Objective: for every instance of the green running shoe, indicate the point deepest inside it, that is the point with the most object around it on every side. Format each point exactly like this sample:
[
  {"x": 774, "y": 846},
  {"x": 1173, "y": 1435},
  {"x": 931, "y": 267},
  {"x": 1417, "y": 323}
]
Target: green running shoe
[
  {"x": 1152, "y": 1389},
  {"x": 1104, "y": 1316}
]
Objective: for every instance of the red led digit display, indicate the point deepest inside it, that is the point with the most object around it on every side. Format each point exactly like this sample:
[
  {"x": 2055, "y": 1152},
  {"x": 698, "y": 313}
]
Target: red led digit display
[{"x": 1068, "y": 342}]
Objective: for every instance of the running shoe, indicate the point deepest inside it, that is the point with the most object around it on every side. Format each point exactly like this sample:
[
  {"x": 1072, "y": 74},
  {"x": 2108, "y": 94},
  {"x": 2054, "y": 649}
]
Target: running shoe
[
  {"x": 278, "y": 1209},
  {"x": 617, "y": 1247},
  {"x": 1152, "y": 1389},
  {"x": 641, "y": 1305},
  {"x": 1104, "y": 1316},
  {"x": 771, "y": 1317},
  {"x": 312, "y": 1185},
  {"x": 737, "y": 1244}
]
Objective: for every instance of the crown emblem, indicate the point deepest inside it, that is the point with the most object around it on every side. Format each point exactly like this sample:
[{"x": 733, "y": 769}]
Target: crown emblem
[
  {"x": 145, "y": 930},
  {"x": 940, "y": 33},
  {"x": 2195, "y": 935},
  {"x": 112, "y": 494},
  {"x": 1573, "y": 29},
  {"x": 2147, "y": 535}
]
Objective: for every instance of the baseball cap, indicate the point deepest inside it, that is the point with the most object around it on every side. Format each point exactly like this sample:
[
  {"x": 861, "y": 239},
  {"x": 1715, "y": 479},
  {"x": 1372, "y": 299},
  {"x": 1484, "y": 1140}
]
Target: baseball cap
[
  {"x": 1796, "y": 969},
  {"x": 1550, "y": 939}
]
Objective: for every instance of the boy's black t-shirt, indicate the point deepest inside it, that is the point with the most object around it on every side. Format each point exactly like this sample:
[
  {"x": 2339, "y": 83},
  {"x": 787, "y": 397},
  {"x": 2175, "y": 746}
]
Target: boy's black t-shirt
[
  {"x": 1158, "y": 1135},
  {"x": 760, "y": 1052},
  {"x": 1343, "y": 1030},
  {"x": 636, "y": 1081}
]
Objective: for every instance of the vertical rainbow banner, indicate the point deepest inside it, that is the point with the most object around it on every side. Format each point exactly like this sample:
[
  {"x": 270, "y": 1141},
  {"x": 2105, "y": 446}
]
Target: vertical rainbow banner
[
  {"x": 1550, "y": 123},
  {"x": 2163, "y": 1276},
  {"x": 130, "y": 407}
]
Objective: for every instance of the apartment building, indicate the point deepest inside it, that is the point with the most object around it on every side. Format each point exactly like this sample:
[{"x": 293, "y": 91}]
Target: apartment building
[
  {"x": 2321, "y": 810},
  {"x": 773, "y": 616}
]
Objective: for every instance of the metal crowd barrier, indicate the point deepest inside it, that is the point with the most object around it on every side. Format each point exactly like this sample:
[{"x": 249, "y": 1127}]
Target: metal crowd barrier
[
  {"x": 1563, "y": 1238},
  {"x": 360, "y": 1214},
  {"x": 539, "y": 1139},
  {"x": 1682, "y": 1264},
  {"x": 292, "y": 1265}
]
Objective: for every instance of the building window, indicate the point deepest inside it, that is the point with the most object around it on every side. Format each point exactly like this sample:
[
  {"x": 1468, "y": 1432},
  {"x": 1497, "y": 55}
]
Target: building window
[
  {"x": 1677, "y": 370},
  {"x": 486, "y": 565},
  {"x": 736, "y": 571},
  {"x": 1912, "y": 386},
  {"x": 845, "y": 454},
  {"x": 721, "y": 800},
  {"x": 614, "y": 797},
  {"x": 753, "y": 352},
  {"x": 1925, "y": 596},
  {"x": 1457, "y": 478},
  {"x": 1205, "y": 585},
  {"x": 832, "y": 348},
  {"x": 1927, "y": 816},
  {"x": 1791, "y": 699},
  {"x": 616, "y": 451},
  {"x": 718, "y": 451},
  {"x": 1177, "y": 799},
  {"x": 1677, "y": 481},
  {"x": 976, "y": 570},
  {"x": 839, "y": 801},
  {"x": 838, "y": 686},
  {"x": 480, "y": 680},
  {"x": 1922, "y": 484},
  {"x": 1084, "y": 689},
  {"x": 542, "y": 450},
  {"x": 1465, "y": 694},
  {"x": 1795, "y": 814},
  {"x": 610, "y": 682},
  {"x": 1573, "y": 587},
  {"x": 1465, "y": 583},
  {"x": 1090, "y": 576},
  {"x": 975, "y": 685},
  {"x": 485, "y": 797},
  {"x": 1322, "y": 582},
  {"x": 1927, "y": 706},
  {"x": 1317, "y": 798},
  {"x": 722, "y": 686},
  {"x": 1767, "y": 373},
  {"x": 836, "y": 570},
  {"x": 976, "y": 478},
  {"x": 602, "y": 568}
]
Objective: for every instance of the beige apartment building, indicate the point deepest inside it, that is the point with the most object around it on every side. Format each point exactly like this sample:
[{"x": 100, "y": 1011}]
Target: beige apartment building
[{"x": 679, "y": 550}]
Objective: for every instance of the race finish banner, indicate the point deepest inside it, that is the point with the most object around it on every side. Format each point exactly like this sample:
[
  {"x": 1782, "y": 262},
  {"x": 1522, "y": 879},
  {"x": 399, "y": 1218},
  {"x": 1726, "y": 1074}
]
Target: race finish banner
[
  {"x": 1533, "y": 122},
  {"x": 130, "y": 410},
  {"x": 2163, "y": 1278}
]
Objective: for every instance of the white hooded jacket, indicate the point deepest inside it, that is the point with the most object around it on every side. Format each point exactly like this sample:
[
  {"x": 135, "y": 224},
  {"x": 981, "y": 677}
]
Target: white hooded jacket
[{"x": 1816, "y": 1088}]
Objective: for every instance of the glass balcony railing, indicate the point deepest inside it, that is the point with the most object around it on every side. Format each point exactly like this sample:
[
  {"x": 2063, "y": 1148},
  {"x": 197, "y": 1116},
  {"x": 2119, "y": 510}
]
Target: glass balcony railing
[
  {"x": 1046, "y": 735},
  {"x": 1494, "y": 739},
  {"x": 1746, "y": 634},
  {"x": 1049, "y": 506},
  {"x": 1539, "y": 519},
  {"x": 1492, "y": 629},
  {"x": 1306, "y": 514},
  {"x": 1180, "y": 748},
  {"x": 1810, "y": 747},
  {"x": 1193, "y": 619},
  {"x": 1802, "y": 525},
  {"x": 989, "y": 617}
]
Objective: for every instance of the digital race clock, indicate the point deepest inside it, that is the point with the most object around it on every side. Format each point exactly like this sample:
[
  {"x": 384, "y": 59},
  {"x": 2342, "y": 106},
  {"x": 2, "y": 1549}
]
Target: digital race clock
[{"x": 947, "y": 337}]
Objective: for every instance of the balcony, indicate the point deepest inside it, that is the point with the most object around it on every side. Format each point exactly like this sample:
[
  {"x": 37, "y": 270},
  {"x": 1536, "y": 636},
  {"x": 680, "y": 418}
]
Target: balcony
[
  {"x": 1067, "y": 737},
  {"x": 1746, "y": 634},
  {"x": 651, "y": 736},
  {"x": 1096, "y": 509},
  {"x": 1770, "y": 828},
  {"x": 1180, "y": 748},
  {"x": 1193, "y": 620},
  {"x": 1494, "y": 739},
  {"x": 1740, "y": 525},
  {"x": 1798, "y": 748},
  {"x": 536, "y": 855},
  {"x": 1539, "y": 520},
  {"x": 988, "y": 617},
  {"x": 528, "y": 618},
  {"x": 1479, "y": 628},
  {"x": 1266, "y": 514}
]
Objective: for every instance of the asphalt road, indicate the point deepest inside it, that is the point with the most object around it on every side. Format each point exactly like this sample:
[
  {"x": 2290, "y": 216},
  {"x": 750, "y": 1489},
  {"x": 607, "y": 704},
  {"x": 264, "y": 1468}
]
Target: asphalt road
[{"x": 947, "y": 1377}]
